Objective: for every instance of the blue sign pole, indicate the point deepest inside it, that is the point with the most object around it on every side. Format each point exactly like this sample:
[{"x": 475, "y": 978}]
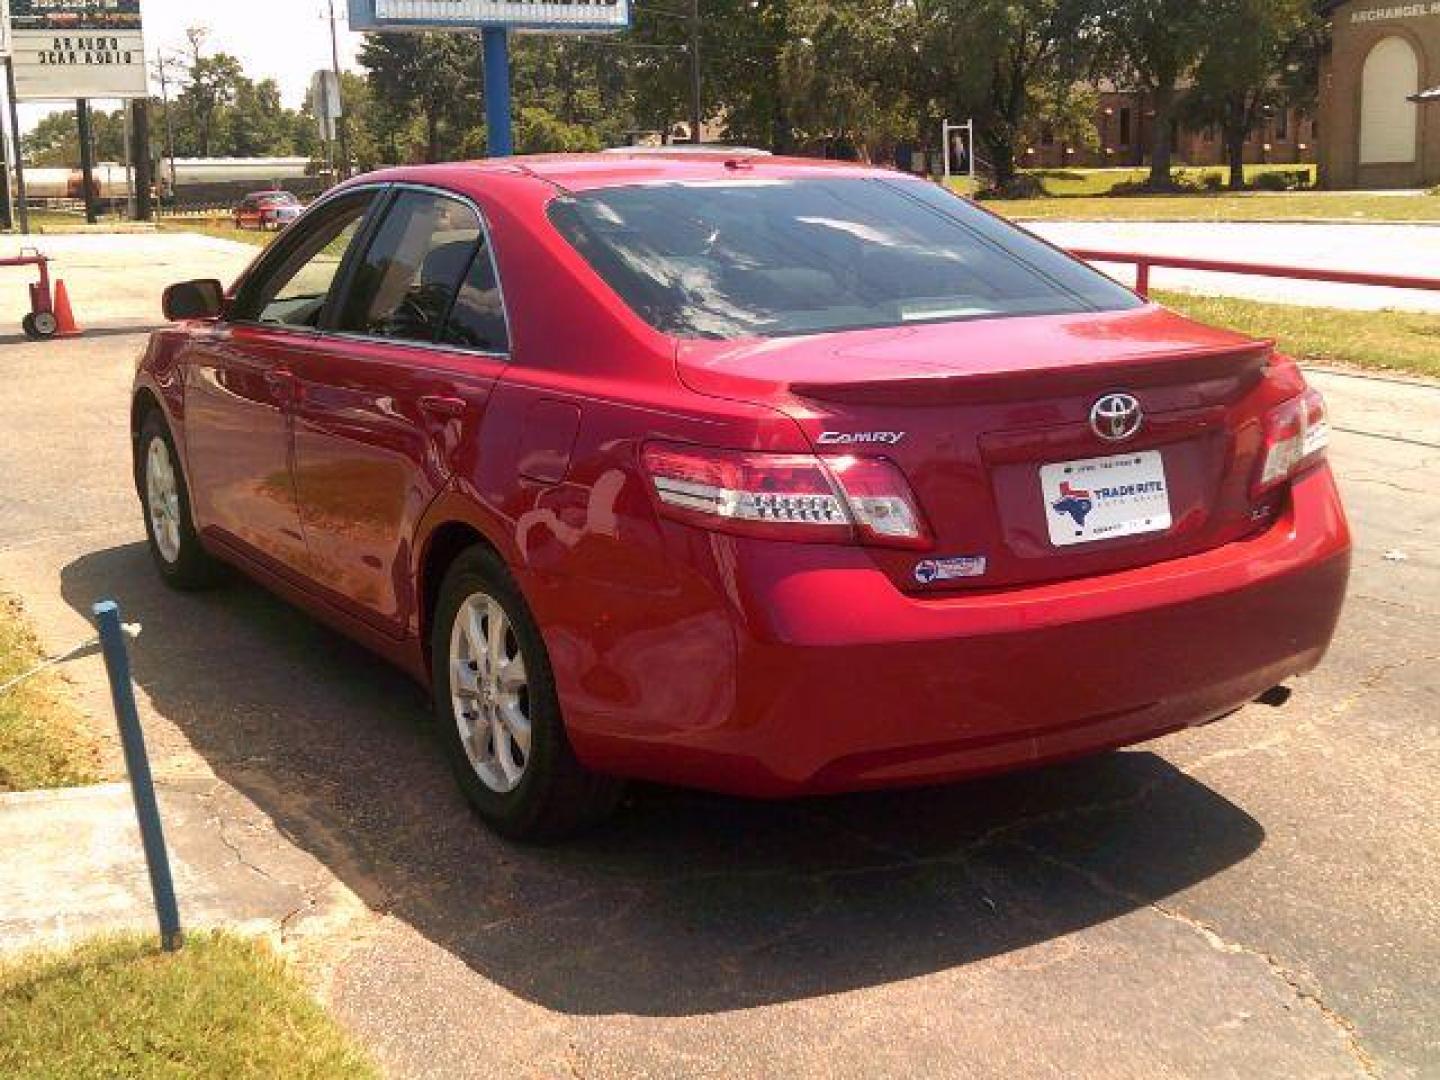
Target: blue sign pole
[
  {"x": 137, "y": 764},
  {"x": 496, "y": 41}
]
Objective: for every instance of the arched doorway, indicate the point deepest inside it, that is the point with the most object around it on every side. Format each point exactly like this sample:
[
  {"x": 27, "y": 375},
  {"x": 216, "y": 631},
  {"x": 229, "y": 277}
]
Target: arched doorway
[{"x": 1388, "y": 131}]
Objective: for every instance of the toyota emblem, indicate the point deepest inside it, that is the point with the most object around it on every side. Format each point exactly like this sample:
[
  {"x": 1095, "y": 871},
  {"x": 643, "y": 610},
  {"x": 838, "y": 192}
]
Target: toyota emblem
[{"x": 1116, "y": 417}]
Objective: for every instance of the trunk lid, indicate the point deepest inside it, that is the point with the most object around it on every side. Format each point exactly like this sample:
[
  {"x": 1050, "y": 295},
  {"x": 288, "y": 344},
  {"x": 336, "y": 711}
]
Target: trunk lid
[{"x": 987, "y": 418}]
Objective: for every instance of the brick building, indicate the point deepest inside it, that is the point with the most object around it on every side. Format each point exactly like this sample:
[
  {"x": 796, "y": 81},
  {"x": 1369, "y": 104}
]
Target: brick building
[
  {"x": 1383, "y": 54},
  {"x": 1124, "y": 121}
]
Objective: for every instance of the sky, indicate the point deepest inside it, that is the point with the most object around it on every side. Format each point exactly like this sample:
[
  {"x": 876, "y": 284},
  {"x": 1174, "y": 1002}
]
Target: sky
[{"x": 286, "y": 40}]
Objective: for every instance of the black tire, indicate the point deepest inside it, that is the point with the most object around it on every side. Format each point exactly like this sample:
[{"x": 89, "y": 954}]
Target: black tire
[
  {"x": 192, "y": 566},
  {"x": 555, "y": 795},
  {"x": 37, "y": 328}
]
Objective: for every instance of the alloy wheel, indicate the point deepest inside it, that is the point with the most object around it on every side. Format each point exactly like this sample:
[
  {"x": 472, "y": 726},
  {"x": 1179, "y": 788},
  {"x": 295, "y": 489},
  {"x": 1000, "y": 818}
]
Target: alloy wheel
[
  {"x": 490, "y": 692},
  {"x": 162, "y": 497}
]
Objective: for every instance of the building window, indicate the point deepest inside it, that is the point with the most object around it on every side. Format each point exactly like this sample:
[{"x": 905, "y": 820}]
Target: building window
[
  {"x": 1282, "y": 126},
  {"x": 1124, "y": 127},
  {"x": 1388, "y": 123}
]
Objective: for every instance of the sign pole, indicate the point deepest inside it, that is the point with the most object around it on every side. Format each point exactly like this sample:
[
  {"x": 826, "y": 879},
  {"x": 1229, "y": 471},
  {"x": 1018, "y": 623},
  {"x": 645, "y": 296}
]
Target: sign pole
[
  {"x": 495, "y": 41},
  {"x": 87, "y": 158},
  {"x": 21, "y": 200}
]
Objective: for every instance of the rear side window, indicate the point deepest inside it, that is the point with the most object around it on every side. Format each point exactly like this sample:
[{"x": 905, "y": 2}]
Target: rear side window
[
  {"x": 407, "y": 281},
  {"x": 477, "y": 319},
  {"x": 776, "y": 257}
]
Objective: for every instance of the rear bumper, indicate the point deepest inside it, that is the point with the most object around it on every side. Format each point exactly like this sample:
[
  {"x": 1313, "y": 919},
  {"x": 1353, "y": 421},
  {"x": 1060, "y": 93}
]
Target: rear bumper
[{"x": 843, "y": 683}]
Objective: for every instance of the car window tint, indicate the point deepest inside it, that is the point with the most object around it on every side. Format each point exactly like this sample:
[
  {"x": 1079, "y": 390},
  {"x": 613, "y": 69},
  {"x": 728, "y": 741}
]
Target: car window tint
[
  {"x": 408, "y": 278},
  {"x": 477, "y": 319},
  {"x": 293, "y": 291},
  {"x": 777, "y": 257}
]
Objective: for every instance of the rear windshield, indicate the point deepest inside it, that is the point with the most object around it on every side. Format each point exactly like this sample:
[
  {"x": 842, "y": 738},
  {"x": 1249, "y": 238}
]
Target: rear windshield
[{"x": 770, "y": 258}]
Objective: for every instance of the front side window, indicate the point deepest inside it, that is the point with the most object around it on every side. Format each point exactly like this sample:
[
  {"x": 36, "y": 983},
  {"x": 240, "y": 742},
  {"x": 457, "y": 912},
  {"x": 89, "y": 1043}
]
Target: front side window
[
  {"x": 406, "y": 284},
  {"x": 777, "y": 257},
  {"x": 291, "y": 288}
]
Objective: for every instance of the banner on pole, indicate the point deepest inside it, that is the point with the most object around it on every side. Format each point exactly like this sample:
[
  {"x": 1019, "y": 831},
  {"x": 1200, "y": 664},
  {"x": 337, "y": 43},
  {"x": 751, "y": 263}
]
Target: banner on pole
[
  {"x": 66, "y": 49},
  {"x": 556, "y": 16}
]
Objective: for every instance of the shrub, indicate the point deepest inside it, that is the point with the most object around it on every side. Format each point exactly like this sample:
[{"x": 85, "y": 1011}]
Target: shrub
[
  {"x": 1021, "y": 186},
  {"x": 1283, "y": 180}
]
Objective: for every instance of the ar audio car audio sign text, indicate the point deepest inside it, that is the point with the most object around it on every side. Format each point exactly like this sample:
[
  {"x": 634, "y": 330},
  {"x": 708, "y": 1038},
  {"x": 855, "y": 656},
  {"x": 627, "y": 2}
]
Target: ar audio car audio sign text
[{"x": 67, "y": 49}]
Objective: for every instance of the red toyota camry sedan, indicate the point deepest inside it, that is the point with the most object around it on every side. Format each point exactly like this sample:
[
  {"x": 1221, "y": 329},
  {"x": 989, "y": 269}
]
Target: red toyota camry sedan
[{"x": 758, "y": 475}]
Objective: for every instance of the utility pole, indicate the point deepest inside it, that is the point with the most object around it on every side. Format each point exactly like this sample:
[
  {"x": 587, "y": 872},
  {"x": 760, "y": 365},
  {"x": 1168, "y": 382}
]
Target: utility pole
[
  {"x": 87, "y": 159},
  {"x": 144, "y": 163},
  {"x": 695, "y": 108},
  {"x": 21, "y": 200},
  {"x": 7, "y": 216},
  {"x": 162, "y": 66},
  {"x": 341, "y": 120}
]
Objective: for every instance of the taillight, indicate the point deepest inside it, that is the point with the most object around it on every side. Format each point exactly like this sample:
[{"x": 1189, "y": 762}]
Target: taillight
[
  {"x": 787, "y": 496},
  {"x": 1296, "y": 435}
]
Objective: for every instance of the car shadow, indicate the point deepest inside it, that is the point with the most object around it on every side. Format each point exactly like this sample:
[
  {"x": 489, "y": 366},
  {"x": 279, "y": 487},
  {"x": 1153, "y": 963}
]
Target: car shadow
[{"x": 683, "y": 903}]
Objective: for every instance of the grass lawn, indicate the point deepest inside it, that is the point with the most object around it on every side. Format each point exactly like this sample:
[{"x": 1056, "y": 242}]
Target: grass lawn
[
  {"x": 1255, "y": 206},
  {"x": 222, "y": 1006},
  {"x": 1385, "y": 340},
  {"x": 43, "y": 742},
  {"x": 1071, "y": 182},
  {"x": 49, "y": 222},
  {"x": 221, "y": 227}
]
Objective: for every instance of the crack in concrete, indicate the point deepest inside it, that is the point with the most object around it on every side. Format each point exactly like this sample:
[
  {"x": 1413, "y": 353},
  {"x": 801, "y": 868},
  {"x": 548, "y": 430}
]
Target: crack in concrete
[
  {"x": 1343, "y": 1026},
  {"x": 1283, "y": 736}
]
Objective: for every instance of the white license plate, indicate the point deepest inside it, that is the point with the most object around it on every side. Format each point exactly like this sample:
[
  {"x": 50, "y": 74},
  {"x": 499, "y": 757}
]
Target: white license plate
[{"x": 1105, "y": 498}]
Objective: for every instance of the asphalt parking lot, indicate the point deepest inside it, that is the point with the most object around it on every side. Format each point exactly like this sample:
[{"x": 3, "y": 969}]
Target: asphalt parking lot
[{"x": 1258, "y": 898}]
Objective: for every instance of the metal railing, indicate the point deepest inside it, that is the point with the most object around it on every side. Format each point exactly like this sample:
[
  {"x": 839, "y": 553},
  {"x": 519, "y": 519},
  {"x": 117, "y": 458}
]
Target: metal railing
[{"x": 1143, "y": 264}]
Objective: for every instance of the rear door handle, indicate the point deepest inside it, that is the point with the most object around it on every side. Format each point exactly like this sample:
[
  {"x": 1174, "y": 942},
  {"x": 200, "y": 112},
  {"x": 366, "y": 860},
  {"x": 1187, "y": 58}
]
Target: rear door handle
[
  {"x": 281, "y": 382},
  {"x": 443, "y": 407}
]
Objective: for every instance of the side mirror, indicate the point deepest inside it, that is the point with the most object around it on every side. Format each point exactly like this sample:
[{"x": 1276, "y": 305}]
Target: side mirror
[{"x": 202, "y": 299}]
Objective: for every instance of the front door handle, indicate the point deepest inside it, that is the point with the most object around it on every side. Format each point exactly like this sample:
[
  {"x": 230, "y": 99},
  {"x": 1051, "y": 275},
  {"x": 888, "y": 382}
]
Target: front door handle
[{"x": 443, "y": 407}]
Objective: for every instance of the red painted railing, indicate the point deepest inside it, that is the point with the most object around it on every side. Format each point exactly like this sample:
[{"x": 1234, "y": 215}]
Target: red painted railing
[{"x": 1144, "y": 262}]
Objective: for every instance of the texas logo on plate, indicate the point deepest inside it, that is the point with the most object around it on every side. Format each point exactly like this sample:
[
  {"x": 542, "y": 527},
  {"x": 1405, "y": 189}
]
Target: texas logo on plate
[{"x": 1105, "y": 498}]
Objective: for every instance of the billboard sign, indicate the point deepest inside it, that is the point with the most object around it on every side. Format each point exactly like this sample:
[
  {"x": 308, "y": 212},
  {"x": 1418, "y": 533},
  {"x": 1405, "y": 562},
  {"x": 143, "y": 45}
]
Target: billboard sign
[
  {"x": 67, "y": 49},
  {"x": 559, "y": 16}
]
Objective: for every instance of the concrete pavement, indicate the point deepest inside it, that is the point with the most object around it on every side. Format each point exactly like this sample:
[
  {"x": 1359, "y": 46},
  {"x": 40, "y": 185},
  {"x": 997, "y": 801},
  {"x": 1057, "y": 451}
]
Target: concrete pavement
[
  {"x": 1394, "y": 249},
  {"x": 1257, "y": 898}
]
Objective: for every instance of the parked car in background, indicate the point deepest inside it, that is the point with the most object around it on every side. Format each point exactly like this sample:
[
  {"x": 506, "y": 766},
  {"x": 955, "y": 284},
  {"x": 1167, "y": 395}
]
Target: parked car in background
[
  {"x": 267, "y": 210},
  {"x": 765, "y": 476}
]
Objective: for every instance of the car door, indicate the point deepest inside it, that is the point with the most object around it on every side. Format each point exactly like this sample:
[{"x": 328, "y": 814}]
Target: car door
[
  {"x": 404, "y": 364},
  {"x": 240, "y": 385}
]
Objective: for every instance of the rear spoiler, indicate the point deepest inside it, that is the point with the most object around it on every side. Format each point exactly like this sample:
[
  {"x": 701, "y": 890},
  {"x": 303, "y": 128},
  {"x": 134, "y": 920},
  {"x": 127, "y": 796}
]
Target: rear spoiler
[{"x": 1245, "y": 363}]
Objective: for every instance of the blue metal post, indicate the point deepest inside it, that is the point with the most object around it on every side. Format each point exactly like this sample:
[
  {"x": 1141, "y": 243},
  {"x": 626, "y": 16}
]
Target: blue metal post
[
  {"x": 137, "y": 764},
  {"x": 496, "y": 42}
]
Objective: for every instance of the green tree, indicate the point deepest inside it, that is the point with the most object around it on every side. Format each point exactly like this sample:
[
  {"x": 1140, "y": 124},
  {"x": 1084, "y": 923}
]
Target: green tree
[
  {"x": 55, "y": 141},
  {"x": 1156, "y": 43},
  {"x": 256, "y": 124},
  {"x": 1037, "y": 50},
  {"x": 1261, "y": 58},
  {"x": 426, "y": 90}
]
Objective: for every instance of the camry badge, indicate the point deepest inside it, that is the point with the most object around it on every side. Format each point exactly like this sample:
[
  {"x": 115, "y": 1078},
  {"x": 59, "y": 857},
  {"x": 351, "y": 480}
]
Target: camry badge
[{"x": 1116, "y": 417}]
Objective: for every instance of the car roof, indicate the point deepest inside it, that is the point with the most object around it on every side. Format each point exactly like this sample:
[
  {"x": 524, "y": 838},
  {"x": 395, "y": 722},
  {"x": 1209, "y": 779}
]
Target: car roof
[{"x": 585, "y": 172}]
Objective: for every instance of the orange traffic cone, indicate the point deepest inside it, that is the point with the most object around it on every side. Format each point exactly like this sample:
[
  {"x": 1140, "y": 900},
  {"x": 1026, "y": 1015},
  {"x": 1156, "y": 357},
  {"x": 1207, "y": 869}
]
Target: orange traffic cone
[{"x": 64, "y": 318}]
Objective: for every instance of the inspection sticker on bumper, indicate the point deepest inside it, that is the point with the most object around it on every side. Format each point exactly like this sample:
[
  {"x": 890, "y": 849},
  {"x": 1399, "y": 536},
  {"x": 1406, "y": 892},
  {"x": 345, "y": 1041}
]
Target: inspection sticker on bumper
[{"x": 1105, "y": 498}]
